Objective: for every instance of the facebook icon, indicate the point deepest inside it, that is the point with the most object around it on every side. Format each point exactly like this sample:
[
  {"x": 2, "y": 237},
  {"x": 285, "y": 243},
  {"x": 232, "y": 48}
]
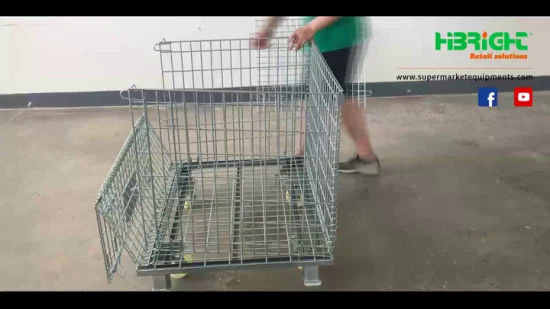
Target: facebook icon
[{"x": 487, "y": 97}]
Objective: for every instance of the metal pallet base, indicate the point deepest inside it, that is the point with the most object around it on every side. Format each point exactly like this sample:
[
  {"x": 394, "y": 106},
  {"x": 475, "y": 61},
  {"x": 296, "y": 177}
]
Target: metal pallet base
[
  {"x": 310, "y": 274},
  {"x": 160, "y": 266}
]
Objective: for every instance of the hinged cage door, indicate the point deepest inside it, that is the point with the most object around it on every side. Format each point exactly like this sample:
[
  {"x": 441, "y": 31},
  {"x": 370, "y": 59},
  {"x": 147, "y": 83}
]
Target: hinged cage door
[{"x": 126, "y": 220}]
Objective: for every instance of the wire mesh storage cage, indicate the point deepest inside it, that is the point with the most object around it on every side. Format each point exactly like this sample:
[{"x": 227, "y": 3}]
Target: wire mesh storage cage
[{"x": 206, "y": 180}]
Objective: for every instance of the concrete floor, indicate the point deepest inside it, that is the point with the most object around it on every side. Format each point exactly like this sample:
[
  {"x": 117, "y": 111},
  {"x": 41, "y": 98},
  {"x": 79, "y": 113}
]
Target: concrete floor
[{"x": 463, "y": 202}]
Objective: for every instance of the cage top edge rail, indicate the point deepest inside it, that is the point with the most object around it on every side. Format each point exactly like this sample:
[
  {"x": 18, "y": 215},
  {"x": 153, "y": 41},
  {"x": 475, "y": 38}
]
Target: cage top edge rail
[
  {"x": 124, "y": 93},
  {"x": 156, "y": 47},
  {"x": 261, "y": 89}
]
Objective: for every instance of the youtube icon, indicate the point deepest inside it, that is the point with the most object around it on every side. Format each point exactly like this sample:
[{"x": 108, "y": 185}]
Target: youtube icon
[{"x": 523, "y": 97}]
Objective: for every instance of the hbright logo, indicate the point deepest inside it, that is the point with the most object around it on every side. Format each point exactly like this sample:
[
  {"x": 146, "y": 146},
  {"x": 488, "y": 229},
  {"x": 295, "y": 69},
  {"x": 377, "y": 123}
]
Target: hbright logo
[
  {"x": 487, "y": 97},
  {"x": 523, "y": 97}
]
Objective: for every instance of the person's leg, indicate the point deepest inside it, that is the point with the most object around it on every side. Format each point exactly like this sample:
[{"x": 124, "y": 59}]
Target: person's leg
[
  {"x": 354, "y": 120},
  {"x": 366, "y": 161},
  {"x": 353, "y": 117}
]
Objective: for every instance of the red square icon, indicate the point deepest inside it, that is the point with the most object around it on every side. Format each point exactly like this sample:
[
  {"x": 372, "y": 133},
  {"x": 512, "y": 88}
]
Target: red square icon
[{"x": 523, "y": 96}]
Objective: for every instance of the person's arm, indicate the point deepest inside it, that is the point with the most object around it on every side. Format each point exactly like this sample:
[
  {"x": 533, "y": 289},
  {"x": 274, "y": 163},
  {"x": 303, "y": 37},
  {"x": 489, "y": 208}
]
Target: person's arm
[
  {"x": 265, "y": 34},
  {"x": 306, "y": 33},
  {"x": 271, "y": 23}
]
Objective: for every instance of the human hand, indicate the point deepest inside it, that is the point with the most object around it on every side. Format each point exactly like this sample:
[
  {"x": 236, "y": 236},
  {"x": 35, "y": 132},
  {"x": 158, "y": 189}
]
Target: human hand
[
  {"x": 300, "y": 37},
  {"x": 261, "y": 39}
]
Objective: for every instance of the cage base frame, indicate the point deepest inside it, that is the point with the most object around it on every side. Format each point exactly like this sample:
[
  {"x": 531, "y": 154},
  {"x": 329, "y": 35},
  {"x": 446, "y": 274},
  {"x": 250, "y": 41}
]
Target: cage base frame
[
  {"x": 310, "y": 275},
  {"x": 161, "y": 270}
]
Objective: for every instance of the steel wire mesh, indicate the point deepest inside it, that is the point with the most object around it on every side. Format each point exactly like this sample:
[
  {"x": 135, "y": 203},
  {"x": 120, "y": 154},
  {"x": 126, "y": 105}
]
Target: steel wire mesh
[
  {"x": 206, "y": 179},
  {"x": 356, "y": 87}
]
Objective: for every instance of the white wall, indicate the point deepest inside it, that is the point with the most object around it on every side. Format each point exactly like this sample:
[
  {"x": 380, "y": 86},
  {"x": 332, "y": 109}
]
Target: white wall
[{"x": 64, "y": 54}]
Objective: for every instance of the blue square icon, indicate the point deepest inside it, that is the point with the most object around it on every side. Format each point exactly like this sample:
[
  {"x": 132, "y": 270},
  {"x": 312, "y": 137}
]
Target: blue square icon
[{"x": 487, "y": 97}]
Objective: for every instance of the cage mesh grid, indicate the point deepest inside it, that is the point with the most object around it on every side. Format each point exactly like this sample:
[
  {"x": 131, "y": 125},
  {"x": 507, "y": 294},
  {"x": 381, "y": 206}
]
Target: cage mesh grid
[
  {"x": 205, "y": 179},
  {"x": 357, "y": 86}
]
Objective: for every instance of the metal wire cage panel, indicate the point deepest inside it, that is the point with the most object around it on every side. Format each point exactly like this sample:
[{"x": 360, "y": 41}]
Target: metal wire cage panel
[
  {"x": 222, "y": 64},
  {"x": 206, "y": 180},
  {"x": 357, "y": 86},
  {"x": 285, "y": 27}
]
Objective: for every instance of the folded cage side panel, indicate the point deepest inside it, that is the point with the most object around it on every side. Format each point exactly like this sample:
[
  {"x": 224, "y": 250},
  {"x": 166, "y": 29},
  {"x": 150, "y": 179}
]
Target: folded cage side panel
[{"x": 125, "y": 210}]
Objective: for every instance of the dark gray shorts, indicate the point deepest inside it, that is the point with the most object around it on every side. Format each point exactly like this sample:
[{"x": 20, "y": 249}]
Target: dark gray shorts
[{"x": 340, "y": 63}]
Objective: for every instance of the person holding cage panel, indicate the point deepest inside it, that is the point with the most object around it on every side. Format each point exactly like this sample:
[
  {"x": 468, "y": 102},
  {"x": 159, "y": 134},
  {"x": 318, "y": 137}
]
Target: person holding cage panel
[{"x": 339, "y": 39}]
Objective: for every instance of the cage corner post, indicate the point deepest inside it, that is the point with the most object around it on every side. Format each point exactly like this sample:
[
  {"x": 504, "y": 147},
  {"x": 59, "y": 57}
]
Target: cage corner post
[
  {"x": 311, "y": 276},
  {"x": 162, "y": 283}
]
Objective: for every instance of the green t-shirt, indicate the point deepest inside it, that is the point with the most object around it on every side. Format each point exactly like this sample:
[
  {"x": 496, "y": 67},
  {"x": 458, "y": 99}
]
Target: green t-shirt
[{"x": 345, "y": 32}]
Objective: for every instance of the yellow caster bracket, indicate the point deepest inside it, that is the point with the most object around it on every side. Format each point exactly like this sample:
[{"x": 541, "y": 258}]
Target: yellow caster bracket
[
  {"x": 188, "y": 258},
  {"x": 300, "y": 203}
]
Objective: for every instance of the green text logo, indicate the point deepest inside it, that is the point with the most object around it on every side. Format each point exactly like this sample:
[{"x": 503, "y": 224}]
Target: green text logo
[{"x": 480, "y": 41}]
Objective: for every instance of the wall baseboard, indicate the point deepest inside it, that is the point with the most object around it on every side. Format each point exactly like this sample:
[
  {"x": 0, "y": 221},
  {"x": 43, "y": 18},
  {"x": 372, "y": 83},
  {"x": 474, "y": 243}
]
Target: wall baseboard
[{"x": 381, "y": 89}]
